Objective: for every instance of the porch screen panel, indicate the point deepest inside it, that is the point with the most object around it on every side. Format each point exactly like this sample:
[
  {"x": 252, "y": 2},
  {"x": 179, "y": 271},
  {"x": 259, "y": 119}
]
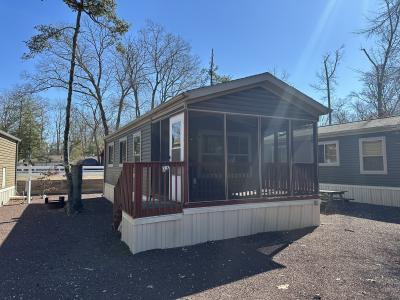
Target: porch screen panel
[
  {"x": 304, "y": 171},
  {"x": 242, "y": 149},
  {"x": 206, "y": 157},
  {"x": 274, "y": 150}
]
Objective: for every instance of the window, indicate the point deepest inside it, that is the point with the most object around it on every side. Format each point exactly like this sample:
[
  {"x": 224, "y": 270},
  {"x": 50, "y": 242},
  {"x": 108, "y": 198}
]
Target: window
[
  {"x": 122, "y": 151},
  {"x": 176, "y": 141},
  {"x": 373, "y": 155},
  {"x": 137, "y": 147},
  {"x": 238, "y": 148},
  {"x": 303, "y": 143},
  {"x": 274, "y": 136},
  {"x": 211, "y": 145},
  {"x": 328, "y": 153},
  {"x": 3, "y": 177},
  {"x": 110, "y": 153}
]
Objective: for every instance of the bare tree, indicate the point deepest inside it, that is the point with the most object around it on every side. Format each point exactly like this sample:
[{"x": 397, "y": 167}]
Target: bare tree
[
  {"x": 281, "y": 74},
  {"x": 212, "y": 73},
  {"x": 101, "y": 12},
  {"x": 171, "y": 67},
  {"x": 131, "y": 74},
  {"x": 58, "y": 110},
  {"x": 326, "y": 78},
  {"x": 94, "y": 61},
  {"x": 381, "y": 82}
]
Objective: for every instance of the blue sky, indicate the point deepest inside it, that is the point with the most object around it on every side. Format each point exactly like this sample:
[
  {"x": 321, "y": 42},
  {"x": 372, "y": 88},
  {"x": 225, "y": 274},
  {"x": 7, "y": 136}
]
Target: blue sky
[{"x": 248, "y": 36}]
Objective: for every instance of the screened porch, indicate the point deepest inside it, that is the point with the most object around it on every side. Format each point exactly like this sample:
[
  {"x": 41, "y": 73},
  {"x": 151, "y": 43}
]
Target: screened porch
[{"x": 242, "y": 157}]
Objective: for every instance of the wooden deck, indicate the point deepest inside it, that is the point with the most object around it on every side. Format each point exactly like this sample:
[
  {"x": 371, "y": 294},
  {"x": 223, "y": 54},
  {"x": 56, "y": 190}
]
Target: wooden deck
[{"x": 159, "y": 188}]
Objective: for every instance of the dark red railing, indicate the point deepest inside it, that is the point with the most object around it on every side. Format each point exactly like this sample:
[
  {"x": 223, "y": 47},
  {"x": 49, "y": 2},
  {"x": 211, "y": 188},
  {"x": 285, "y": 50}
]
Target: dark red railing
[
  {"x": 304, "y": 179},
  {"x": 275, "y": 179},
  {"x": 207, "y": 181},
  {"x": 149, "y": 189}
]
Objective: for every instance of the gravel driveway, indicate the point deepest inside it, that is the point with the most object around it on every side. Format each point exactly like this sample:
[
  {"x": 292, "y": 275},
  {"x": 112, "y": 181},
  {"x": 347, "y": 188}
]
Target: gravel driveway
[{"x": 354, "y": 254}]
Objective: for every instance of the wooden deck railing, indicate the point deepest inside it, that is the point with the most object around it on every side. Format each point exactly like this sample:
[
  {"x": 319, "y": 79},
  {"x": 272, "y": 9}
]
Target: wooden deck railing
[
  {"x": 149, "y": 189},
  {"x": 275, "y": 179},
  {"x": 304, "y": 179},
  {"x": 157, "y": 188}
]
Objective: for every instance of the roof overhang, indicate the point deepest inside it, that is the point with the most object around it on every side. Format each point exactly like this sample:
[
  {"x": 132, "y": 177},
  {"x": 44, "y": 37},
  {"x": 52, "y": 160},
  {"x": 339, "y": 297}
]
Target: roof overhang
[
  {"x": 368, "y": 130},
  {"x": 9, "y": 136},
  {"x": 264, "y": 80}
]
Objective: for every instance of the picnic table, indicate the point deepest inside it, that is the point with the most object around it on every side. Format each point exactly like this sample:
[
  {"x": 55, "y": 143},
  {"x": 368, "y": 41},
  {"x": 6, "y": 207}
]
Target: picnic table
[{"x": 327, "y": 195}]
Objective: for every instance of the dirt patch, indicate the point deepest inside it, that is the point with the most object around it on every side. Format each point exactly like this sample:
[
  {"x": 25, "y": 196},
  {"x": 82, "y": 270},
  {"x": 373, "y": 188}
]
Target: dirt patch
[{"x": 45, "y": 254}]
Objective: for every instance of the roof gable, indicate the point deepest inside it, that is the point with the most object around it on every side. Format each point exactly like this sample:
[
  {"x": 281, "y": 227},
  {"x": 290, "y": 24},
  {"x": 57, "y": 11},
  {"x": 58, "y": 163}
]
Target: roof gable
[
  {"x": 273, "y": 85},
  {"x": 255, "y": 100}
]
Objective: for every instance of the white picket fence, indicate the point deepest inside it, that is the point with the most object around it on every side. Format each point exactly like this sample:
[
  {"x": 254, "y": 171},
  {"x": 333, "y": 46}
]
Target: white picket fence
[{"x": 58, "y": 170}]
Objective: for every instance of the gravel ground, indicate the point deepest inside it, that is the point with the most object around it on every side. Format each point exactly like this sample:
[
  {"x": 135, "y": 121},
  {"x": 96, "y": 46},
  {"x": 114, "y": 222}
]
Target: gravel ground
[{"x": 354, "y": 254}]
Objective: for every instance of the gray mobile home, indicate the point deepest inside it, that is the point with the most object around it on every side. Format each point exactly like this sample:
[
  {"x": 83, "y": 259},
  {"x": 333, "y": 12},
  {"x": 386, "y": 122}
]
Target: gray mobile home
[
  {"x": 216, "y": 162},
  {"x": 362, "y": 158}
]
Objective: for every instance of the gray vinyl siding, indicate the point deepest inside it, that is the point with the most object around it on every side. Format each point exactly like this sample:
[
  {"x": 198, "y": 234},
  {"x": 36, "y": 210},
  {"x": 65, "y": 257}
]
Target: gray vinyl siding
[
  {"x": 257, "y": 101},
  {"x": 112, "y": 172},
  {"x": 348, "y": 172}
]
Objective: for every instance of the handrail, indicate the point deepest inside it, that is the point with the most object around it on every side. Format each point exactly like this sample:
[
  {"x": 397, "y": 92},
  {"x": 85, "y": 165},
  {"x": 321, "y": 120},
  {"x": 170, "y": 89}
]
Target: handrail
[{"x": 148, "y": 189}]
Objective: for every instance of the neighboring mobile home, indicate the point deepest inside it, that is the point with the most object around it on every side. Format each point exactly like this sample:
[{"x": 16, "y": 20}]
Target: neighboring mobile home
[
  {"x": 216, "y": 162},
  {"x": 362, "y": 158},
  {"x": 8, "y": 159}
]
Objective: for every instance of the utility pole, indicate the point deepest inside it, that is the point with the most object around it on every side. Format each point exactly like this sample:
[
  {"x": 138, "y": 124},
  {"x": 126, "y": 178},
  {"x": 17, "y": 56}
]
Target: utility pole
[{"x": 211, "y": 71}]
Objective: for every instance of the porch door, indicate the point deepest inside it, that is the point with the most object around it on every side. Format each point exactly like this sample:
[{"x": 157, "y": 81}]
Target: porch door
[{"x": 176, "y": 153}]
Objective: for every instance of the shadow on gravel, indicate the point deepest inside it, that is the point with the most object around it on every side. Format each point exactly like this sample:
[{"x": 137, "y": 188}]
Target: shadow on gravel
[
  {"x": 50, "y": 255},
  {"x": 363, "y": 210}
]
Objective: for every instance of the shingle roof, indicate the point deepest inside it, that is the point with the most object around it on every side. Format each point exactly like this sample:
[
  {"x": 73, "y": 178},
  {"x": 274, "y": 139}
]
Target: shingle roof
[
  {"x": 285, "y": 92},
  {"x": 7, "y": 135},
  {"x": 376, "y": 125}
]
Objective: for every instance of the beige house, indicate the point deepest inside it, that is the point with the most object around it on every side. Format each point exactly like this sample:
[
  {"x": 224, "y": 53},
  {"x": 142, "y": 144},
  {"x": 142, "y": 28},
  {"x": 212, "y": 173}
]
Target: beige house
[{"x": 8, "y": 159}]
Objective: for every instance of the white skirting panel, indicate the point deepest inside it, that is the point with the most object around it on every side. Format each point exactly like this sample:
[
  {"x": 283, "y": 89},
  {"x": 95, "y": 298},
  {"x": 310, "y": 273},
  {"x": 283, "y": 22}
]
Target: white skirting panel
[
  {"x": 199, "y": 225},
  {"x": 5, "y": 194},
  {"x": 378, "y": 195},
  {"x": 109, "y": 192}
]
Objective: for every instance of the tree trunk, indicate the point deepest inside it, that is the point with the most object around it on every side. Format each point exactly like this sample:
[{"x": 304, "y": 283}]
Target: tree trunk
[
  {"x": 137, "y": 102},
  {"x": 328, "y": 92},
  {"x": 379, "y": 100},
  {"x": 74, "y": 203},
  {"x": 103, "y": 118},
  {"x": 153, "y": 98},
  {"x": 120, "y": 105}
]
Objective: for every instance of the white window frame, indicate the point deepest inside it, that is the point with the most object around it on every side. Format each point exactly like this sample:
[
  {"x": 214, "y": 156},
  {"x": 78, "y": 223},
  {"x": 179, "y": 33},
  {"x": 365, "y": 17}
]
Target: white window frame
[
  {"x": 108, "y": 154},
  {"x": 179, "y": 118},
  {"x": 119, "y": 150},
  {"x": 137, "y": 134},
  {"x": 4, "y": 176},
  {"x": 337, "y": 163},
  {"x": 384, "y": 155}
]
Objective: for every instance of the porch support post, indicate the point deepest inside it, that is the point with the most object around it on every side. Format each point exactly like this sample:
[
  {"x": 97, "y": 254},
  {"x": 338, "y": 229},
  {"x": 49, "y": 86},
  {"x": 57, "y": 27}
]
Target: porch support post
[
  {"x": 226, "y": 159},
  {"x": 259, "y": 158},
  {"x": 290, "y": 158},
  {"x": 315, "y": 148},
  {"x": 186, "y": 156}
]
